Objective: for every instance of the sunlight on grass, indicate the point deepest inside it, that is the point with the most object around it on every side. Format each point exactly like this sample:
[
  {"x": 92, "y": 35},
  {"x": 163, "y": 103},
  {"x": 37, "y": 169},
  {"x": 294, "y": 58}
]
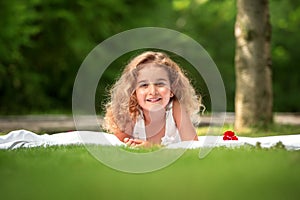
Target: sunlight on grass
[{"x": 141, "y": 149}]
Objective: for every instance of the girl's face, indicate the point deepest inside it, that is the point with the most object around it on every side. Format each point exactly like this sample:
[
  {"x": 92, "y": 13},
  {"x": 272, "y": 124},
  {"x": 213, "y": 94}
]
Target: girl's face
[{"x": 153, "y": 88}]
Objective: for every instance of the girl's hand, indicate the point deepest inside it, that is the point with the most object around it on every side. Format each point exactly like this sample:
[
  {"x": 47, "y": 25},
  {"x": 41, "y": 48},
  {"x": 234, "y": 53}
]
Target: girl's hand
[{"x": 136, "y": 142}]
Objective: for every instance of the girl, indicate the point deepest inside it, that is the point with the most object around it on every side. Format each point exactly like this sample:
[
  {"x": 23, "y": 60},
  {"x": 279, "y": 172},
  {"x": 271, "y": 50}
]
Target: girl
[{"x": 152, "y": 103}]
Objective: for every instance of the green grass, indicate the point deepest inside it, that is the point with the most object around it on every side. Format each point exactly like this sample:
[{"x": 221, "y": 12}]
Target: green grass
[{"x": 73, "y": 173}]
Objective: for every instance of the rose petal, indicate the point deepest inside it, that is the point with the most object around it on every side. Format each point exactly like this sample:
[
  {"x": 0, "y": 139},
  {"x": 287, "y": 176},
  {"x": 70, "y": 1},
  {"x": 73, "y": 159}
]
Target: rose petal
[
  {"x": 229, "y": 133},
  {"x": 226, "y": 137},
  {"x": 234, "y": 138}
]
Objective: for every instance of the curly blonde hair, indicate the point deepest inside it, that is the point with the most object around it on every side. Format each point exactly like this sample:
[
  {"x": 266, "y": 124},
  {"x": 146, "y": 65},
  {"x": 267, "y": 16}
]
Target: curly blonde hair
[{"x": 123, "y": 109}]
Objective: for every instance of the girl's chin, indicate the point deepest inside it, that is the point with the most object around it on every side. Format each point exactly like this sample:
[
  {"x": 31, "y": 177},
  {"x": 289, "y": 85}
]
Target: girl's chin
[{"x": 154, "y": 107}]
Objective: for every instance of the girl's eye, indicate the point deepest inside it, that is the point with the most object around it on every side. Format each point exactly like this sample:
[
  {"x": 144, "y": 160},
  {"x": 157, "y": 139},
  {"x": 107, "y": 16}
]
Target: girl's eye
[
  {"x": 143, "y": 85},
  {"x": 160, "y": 84},
  {"x": 146, "y": 85}
]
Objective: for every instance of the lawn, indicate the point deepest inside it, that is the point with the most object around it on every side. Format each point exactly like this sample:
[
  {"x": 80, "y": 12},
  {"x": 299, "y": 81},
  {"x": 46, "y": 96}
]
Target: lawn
[{"x": 73, "y": 173}]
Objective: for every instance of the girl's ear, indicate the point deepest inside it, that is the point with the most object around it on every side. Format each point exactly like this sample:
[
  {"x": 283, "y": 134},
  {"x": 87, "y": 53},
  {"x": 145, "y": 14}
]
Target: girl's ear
[{"x": 171, "y": 94}]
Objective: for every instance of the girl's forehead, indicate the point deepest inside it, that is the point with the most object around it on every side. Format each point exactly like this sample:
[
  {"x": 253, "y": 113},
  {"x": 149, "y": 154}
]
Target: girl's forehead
[{"x": 152, "y": 73}]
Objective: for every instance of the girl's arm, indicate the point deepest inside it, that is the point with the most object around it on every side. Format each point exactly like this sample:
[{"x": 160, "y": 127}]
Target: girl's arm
[
  {"x": 183, "y": 122},
  {"x": 121, "y": 135},
  {"x": 129, "y": 141}
]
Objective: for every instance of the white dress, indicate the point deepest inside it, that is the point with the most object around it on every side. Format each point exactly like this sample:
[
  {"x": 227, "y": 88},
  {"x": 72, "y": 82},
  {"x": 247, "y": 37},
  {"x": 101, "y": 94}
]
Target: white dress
[{"x": 171, "y": 132}]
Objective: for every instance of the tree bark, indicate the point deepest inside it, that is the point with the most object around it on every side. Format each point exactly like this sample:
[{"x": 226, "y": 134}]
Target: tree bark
[{"x": 253, "y": 98}]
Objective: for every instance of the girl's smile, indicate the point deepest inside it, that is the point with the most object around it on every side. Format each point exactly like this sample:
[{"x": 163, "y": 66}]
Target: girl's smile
[{"x": 153, "y": 100}]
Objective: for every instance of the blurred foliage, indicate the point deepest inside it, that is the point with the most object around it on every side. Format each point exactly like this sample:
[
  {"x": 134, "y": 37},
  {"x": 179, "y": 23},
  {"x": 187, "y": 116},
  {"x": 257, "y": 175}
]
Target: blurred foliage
[{"x": 44, "y": 42}]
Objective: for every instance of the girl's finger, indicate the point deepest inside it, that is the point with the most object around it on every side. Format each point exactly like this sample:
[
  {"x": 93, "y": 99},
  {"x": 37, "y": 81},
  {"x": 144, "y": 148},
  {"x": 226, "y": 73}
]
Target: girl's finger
[
  {"x": 126, "y": 140},
  {"x": 138, "y": 141},
  {"x": 130, "y": 142}
]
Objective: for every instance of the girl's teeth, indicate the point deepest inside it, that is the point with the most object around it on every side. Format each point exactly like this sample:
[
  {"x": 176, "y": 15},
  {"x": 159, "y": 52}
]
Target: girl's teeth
[{"x": 153, "y": 100}]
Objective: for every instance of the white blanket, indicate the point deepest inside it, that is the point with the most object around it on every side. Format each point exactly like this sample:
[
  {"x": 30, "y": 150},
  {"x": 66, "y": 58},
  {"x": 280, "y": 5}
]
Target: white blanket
[{"x": 24, "y": 138}]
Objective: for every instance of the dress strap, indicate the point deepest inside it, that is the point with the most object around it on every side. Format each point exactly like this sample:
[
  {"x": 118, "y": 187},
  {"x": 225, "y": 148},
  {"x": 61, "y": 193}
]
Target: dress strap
[
  {"x": 171, "y": 132},
  {"x": 139, "y": 130}
]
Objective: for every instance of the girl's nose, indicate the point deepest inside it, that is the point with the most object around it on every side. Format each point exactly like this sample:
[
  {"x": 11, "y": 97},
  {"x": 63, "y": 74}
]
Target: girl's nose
[{"x": 152, "y": 89}]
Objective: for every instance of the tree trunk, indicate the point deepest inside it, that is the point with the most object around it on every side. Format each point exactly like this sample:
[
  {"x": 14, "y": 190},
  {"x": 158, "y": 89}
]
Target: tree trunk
[{"x": 253, "y": 98}]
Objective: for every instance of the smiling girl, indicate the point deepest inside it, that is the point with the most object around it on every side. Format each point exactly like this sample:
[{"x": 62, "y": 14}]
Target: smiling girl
[{"x": 153, "y": 102}]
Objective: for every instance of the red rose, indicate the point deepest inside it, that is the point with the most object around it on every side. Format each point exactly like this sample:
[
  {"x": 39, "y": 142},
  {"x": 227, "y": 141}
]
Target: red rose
[
  {"x": 234, "y": 138},
  {"x": 229, "y": 135},
  {"x": 226, "y": 137}
]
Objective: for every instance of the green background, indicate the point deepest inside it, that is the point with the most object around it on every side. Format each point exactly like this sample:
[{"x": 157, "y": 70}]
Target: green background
[{"x": 44, "y": 42}]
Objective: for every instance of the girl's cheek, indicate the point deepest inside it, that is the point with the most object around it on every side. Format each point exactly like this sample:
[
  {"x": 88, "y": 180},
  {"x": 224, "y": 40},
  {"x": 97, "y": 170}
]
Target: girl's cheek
[
  {"x": 139, "y": 90},
  {"x": 142, "y": 91},
  {"x": 164, "y": 90}
]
